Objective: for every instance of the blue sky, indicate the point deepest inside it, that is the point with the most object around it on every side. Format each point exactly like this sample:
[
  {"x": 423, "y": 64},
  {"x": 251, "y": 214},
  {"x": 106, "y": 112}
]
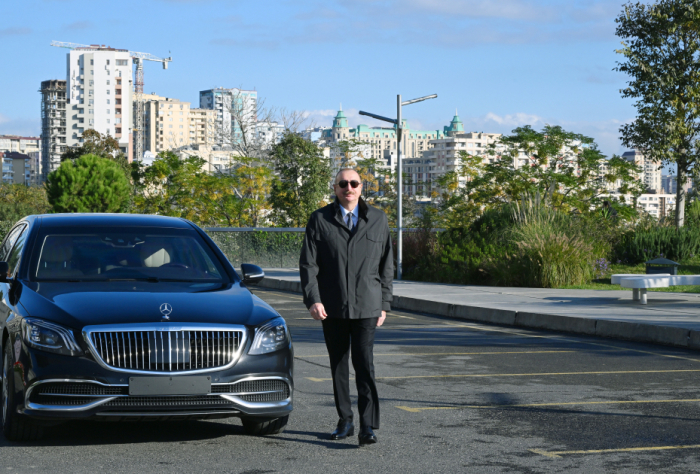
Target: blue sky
[{"x": 501, "y": 63}]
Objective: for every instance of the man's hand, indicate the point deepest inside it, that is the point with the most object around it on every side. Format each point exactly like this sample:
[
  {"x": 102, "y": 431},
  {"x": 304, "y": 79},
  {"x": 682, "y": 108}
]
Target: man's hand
[
  {"x": 318, "y": 312},
  {"x": 380, "y": 321}
]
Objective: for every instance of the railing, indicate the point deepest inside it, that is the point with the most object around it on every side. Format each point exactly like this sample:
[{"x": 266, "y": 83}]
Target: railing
[
  {"x": 274, "y": 247},
  {"x": 268, "y": 247}
]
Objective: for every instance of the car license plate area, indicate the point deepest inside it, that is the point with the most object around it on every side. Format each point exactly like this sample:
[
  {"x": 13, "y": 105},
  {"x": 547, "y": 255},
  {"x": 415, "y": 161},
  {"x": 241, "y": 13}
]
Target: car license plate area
[{"x": 159, "y": 386}]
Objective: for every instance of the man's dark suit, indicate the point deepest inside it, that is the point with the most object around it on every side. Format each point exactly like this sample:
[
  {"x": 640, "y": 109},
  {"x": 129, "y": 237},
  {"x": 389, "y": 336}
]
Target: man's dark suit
[{"x": 351, "y": 273}]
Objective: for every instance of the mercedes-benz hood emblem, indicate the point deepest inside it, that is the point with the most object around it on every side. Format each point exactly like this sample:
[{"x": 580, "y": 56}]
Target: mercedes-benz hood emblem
[{"x": 165, "y": 310}]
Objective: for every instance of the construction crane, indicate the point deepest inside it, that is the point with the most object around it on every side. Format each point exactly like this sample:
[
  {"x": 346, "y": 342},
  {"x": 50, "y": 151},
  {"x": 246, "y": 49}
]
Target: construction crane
[{"x": 138, "y": 59}]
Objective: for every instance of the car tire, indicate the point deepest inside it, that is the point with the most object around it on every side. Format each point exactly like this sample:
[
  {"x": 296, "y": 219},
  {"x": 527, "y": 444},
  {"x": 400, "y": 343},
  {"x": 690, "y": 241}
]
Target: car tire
[
  {"x": 15, "y": 427},
  {"x": 264, "y": 427}
]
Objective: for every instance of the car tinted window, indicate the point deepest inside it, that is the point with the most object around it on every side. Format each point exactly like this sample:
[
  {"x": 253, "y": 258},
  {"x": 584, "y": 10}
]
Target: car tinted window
[
  {"x": 9, "y": 242},
  {"x": 107, "y": 253},
  {"x": 16, "y": 252}
]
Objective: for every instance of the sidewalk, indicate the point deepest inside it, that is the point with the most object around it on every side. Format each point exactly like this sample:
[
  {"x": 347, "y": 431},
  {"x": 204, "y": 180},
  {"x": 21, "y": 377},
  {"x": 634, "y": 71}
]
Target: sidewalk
[{"x": 668, "y": 318}]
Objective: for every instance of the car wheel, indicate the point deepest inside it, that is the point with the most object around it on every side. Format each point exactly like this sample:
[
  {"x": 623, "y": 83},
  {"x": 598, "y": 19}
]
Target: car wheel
[
  {"x": 15, "y": 427},
  {"x": 264, "y": 427}
]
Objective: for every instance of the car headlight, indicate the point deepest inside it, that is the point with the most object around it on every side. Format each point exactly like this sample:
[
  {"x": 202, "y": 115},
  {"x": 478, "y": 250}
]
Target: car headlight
[
  {"x": 49, "y": 337},
  {"x": 270, "y": 337}
]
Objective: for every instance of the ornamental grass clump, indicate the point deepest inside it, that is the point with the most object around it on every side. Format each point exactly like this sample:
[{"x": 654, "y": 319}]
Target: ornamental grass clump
[
  {"x": 549, "y": 250},
  {"x": 547, "y": 258}
]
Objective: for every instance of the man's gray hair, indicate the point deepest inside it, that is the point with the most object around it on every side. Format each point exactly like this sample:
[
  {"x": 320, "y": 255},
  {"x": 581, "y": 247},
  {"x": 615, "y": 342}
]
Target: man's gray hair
[{"x": 344, "y": 169}]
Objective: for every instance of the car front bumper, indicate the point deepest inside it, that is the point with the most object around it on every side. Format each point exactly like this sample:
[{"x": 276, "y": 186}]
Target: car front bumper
[{"x": 65, "y": 387}]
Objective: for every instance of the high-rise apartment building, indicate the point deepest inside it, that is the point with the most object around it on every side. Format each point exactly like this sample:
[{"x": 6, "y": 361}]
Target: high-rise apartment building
[
  {"x": 166, "y": 123},
  {"x": 236, "y": 113},
  {"x": 53, "y": 125},
  {"x": 100, "y": 95},
  {"x": 172, "y": 124},
  {"x": 651, "y": 170}
]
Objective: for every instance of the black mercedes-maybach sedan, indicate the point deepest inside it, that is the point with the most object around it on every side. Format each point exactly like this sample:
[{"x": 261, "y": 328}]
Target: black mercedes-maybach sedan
[{"x": 122, "y": 316}]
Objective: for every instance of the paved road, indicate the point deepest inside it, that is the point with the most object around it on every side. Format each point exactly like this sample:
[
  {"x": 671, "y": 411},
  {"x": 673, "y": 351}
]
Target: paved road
[{"x": 455, "y": 397}]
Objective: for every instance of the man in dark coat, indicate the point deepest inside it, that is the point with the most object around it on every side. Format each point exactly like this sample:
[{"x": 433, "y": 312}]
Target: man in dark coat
[{"x": 347, "y": 269}]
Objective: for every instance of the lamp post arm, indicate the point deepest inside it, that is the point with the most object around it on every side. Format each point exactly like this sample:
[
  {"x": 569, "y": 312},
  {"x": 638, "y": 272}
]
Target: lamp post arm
[
  {"x": 419, "y": 99},
  {"x": 378, "y": 117}
]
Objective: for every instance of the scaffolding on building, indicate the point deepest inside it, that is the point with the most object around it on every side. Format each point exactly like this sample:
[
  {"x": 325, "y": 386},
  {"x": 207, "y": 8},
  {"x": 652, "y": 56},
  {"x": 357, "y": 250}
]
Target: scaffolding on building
[{"x": 53, "y": 125}]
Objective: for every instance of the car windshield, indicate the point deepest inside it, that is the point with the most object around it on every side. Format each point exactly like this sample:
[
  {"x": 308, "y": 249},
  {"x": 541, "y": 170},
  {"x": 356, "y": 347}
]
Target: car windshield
[{"x": 108, "y": 254}]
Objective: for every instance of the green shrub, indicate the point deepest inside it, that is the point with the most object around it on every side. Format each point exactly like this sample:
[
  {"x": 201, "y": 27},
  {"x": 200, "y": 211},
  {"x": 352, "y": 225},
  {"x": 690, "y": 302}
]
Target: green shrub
[{"x": 668, "y": 242}]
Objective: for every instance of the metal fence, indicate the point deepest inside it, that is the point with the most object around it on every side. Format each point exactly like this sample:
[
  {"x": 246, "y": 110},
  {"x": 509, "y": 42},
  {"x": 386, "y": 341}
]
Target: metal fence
[{"x": 269, "y": 247}]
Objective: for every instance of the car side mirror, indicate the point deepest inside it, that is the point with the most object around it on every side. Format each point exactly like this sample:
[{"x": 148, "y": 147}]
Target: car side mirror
[
  {"x": 252, "y": 274},
  {"x": 4, "y": 270}
]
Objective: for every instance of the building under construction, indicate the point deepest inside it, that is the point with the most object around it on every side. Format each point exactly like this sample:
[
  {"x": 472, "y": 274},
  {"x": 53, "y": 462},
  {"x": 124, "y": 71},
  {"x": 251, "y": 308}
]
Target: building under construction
[{"x": 53, "y": 125}]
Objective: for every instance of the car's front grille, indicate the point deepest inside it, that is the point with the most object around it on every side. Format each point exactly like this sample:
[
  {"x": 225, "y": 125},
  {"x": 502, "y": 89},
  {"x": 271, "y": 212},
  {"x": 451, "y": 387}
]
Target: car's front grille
[
  {"x": 168, "y": 402},
  {"x": 264, "y": 397},
  {"x": 166, "y": 350},
  {"x": 86, "y": 389},
  {"x": 264, "y": 390}
]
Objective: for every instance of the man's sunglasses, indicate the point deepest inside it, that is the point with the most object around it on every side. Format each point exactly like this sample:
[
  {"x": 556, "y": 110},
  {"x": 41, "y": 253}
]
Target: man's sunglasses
[{"x": 344, "y": 183}]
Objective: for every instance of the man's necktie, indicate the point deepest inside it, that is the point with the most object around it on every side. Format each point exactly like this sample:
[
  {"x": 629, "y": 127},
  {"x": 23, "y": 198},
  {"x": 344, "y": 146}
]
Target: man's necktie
[{"x": 349, "y": 221}]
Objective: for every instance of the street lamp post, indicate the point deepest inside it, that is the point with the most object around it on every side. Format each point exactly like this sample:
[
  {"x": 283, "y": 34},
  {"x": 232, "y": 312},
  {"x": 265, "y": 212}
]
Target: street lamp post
[{"x": 399, "y": 171}]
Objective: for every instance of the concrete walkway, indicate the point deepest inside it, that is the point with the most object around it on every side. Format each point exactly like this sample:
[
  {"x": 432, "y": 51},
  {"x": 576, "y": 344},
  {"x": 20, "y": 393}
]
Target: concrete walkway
[{"x": 668, "y": 318}]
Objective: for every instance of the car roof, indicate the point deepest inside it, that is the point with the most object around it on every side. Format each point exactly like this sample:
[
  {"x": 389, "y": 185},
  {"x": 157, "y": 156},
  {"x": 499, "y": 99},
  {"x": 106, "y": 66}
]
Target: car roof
[{"x": 125, "y": 220}]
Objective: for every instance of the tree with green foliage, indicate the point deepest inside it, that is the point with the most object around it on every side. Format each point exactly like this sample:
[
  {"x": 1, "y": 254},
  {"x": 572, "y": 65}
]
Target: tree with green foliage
[
  {"x": 171, "y": 186},
  {"x": 88, "y": 184},
  {"x": 252, "y": 182},
  {"x": 304, "y": 180},
  {"x": 105, "y": 146},
  {"x": 94, "y": 143},
  {"x": 348, "y": 153},
  {"x": 455, "y": 195},
  {"x": 661, "y": 47},
  {"x": 18, "y": 201},
  {"x": 565, "y": 169},
  {"x": 174, "y": 186}
]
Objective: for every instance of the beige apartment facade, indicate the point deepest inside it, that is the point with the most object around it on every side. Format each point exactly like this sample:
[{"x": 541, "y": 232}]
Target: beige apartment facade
[
  {"x": 172, "y": 124},
  {"x": 445, "y": 155}
]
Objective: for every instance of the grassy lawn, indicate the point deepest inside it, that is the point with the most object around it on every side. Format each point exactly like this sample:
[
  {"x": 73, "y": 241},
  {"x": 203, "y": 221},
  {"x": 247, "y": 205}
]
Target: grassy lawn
[{"x": 692, "y": 268}]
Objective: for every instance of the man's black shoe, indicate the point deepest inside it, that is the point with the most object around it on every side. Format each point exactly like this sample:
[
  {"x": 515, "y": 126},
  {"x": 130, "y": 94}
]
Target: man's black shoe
[
  {"x": 367, "y": 436},
  {"x": 344, "y": 429}
]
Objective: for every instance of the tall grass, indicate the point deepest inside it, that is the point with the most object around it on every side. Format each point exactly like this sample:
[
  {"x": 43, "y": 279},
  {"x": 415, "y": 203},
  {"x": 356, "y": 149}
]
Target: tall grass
[
  {"x": 544, "y": 258},
  {"x": 550, "y": 250}
]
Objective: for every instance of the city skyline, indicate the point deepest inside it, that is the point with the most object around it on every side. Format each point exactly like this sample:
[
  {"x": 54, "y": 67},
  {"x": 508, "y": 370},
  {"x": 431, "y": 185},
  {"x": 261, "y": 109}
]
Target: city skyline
[{"x": 523, "y": 62}]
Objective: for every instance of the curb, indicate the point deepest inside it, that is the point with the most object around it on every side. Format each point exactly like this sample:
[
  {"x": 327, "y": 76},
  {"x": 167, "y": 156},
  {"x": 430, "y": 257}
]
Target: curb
[{"x": 628, "y": 331}]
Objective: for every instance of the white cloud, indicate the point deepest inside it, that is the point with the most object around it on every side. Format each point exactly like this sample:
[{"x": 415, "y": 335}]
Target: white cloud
[{"x": 514, "y": 120}]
